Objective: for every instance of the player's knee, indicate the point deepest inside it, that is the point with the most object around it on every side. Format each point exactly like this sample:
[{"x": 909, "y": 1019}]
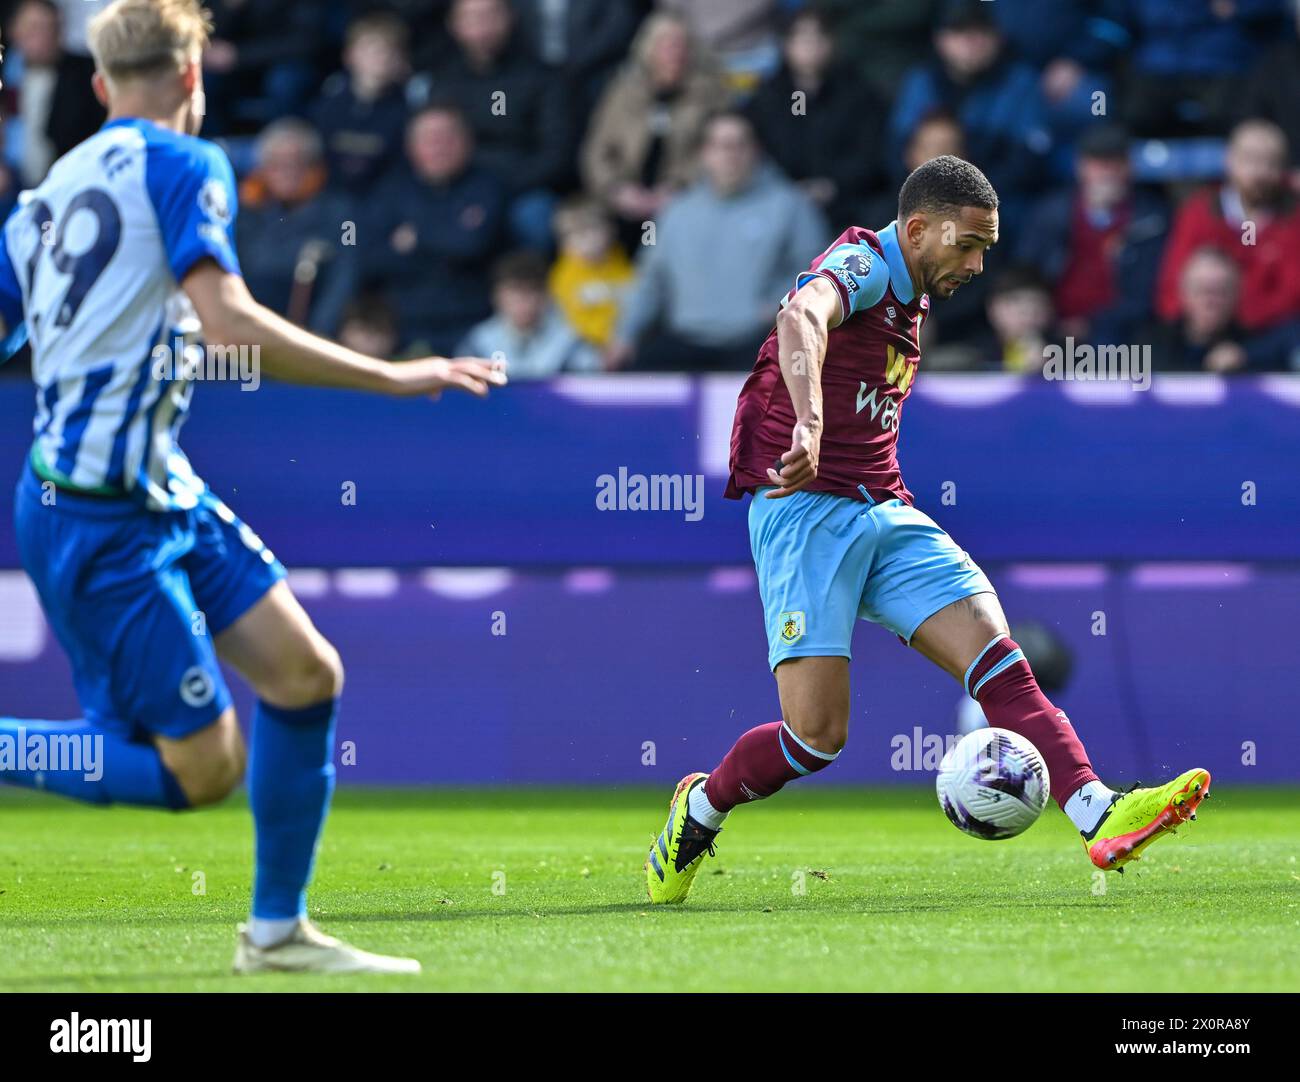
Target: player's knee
[
  {"x": 322, "y": 677},
  {"x": 210, "y": 782},
  {"x": 208, "y": 765},
  {"x": 314, "y": 675},
  {"x": 824, "y": 730}
]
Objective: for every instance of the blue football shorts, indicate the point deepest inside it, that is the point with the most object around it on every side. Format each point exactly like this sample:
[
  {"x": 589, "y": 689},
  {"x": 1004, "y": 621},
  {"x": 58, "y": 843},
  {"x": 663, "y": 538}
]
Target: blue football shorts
[{"x": 135, "y": 597}]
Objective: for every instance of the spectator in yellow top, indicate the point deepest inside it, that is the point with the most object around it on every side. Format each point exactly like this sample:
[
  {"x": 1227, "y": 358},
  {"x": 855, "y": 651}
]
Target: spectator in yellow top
[{"x": 592, "y": 274}]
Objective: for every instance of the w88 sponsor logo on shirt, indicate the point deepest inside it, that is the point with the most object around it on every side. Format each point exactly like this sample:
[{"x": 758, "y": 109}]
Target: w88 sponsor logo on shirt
[{"x": 899, "y": 372}]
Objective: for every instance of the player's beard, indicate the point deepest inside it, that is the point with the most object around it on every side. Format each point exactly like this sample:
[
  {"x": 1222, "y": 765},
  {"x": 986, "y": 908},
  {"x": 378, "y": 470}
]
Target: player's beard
[
  {"x": 936, "y": 281},
  {"x": 931, "y": 279}
]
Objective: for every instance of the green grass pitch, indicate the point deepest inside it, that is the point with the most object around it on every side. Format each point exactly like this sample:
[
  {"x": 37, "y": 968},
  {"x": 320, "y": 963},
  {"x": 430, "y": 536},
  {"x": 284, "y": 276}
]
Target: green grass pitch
[{"x": 823, "y": 888}]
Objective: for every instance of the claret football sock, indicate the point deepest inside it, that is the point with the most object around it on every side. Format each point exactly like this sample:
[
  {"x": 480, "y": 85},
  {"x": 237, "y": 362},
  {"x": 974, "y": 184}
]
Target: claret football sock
[
  {"x": 1001, "y": 681},
  {"x": 290, "y": 780},
  {"x": 80, "y": 760},
  {"x": 760, "y": 763}
]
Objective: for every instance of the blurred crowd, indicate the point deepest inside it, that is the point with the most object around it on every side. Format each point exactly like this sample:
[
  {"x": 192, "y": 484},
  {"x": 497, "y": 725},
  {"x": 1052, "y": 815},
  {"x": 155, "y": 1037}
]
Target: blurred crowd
[{"x": 586, "y": 185}]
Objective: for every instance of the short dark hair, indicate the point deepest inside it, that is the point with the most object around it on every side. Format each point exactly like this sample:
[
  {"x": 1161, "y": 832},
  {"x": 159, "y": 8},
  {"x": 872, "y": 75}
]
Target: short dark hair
[
  {"x": 787, "y": 20},
  {"x": 1017, "y": 278},
  {"x": 382, "y": 24},
  {"x": 1108, "y": 142},
  {"x": 966, "y": 15},
  {"x": 945, "y": 183},
  {"x": 523, "y": 268},
  {"x": 738, "y": 116},
  {"x": 441, "y": 107},
  {"x": 372, "y": 311}
]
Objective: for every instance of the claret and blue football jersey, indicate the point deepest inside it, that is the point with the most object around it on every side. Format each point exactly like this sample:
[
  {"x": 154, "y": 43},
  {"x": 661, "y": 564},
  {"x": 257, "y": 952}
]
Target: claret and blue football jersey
[
  {"x": 849, "y": 545},
  {"x": 872, "y": 355}
]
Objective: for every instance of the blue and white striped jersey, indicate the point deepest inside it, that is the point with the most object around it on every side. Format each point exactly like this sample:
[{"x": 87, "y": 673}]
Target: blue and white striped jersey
[{"x": 92, "y": 259}]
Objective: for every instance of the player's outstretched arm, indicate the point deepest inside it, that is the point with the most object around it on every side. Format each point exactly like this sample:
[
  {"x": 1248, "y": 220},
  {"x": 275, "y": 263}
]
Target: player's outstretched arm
[
  {"x": 801, "y": 330},
  {"x": 232, "y": 317}
]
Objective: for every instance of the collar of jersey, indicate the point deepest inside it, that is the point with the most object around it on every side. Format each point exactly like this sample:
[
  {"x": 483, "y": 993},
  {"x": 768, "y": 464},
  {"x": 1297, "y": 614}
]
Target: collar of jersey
[
  {"x": 126, "y": 122},
  {"x": 899, "y": 279}
]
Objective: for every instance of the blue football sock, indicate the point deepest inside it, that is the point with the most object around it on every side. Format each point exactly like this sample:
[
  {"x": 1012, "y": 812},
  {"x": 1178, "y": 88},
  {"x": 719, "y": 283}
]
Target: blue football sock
[
  {"x": 290, "y": 779},
  {"x": 80, "y": 760}
]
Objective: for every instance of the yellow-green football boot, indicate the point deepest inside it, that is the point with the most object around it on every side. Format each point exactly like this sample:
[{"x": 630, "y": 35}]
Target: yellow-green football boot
[
  {"x": 678, "y": 852},
  {"x": 1137, "y": 818}
]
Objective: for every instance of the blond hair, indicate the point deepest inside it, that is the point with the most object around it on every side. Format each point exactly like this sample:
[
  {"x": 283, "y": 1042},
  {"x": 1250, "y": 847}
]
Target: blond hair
[{"x": 147, "y": 38}]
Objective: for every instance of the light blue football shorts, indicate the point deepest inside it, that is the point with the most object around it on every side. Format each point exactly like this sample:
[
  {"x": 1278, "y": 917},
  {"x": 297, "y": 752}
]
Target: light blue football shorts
[{"x": 826, "y": 561}]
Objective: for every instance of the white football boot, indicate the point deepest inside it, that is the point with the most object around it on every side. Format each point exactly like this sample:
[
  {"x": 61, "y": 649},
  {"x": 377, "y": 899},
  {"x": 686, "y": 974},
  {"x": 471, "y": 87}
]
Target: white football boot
[{"x": 309, "y": 950}]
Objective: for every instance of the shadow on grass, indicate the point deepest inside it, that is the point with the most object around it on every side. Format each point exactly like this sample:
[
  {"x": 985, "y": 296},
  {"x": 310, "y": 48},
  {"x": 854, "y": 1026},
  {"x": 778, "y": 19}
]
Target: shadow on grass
[
  {"x": 87, "y": 981},
  {"x": 456, "y": 912},
  {"x": 827, "y": 907}
]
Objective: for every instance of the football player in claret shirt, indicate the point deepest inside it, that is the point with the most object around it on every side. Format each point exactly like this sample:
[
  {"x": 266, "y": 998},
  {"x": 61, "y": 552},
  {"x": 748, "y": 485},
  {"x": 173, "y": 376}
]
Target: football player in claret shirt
[{"x": 836, "y": 539}]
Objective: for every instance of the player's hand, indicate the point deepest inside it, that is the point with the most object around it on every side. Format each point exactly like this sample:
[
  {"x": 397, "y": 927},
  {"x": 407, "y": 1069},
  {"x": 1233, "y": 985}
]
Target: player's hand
[
  {"x": 798, "y": 466},
  {"x": 433, "y": 375}
]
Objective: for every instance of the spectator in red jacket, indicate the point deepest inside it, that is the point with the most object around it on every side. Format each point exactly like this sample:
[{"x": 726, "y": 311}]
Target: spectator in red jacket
[
  {"x": 1100, "y": 242},
  {"x": 1254, "y": 218}
]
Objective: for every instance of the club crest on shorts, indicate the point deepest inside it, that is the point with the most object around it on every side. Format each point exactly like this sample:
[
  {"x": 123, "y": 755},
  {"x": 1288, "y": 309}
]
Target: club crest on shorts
[
  {"x": 792, "y": 626},
  {"x": 197, "y": 687}
]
